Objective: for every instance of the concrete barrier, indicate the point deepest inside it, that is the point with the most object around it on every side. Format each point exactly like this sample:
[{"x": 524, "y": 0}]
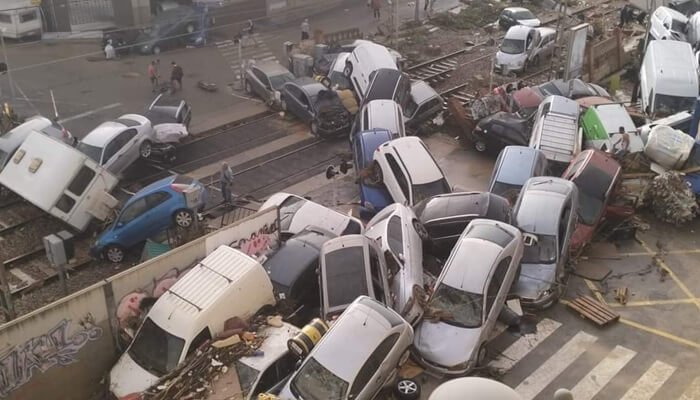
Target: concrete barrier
[{"x": 64, "y": 349}]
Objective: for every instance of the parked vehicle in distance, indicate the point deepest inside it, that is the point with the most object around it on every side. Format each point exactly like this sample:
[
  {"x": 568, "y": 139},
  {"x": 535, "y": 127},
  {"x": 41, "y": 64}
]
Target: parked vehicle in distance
[
  {"x": 20, "y": 22},
  {"x": 425, "y": 103},
  {"x": 499, "y": 130},
  {"x": 363, "y": 60},
  {"x": 668, "y": 78},
  {"x": 388, "y": 84},
  {"x": 352, "y": 266},
  {"x": 680, "y": 121},
  {"x": 514, "y": 166},
  {"x": 556, "y": 131},
  {"x": 292, "y": 270},
  {"x": 316, "y": 105},
  {"x": 334, "y": 369},
  {"x": 296, "y": 213},
  {"x": 190, "y": 313},
  {"x": 12, "y": 140},
  {"x": 471, "y": 291},
  {"x": 446, "y": 216},
  {"x": 409, "y": 171},
  {"x": 523, "y": 46},
  {"x": 400, "y": 236},
  {"x": 117, "y": 144},
  {"x": 667, "y": 23},
  {"x": 265, "y": 80},
  {"x": 379, "y": 114},
  {"x": 546, "y": 214},
  {"x": 174, "y": 28},
  {"x": 373, "y": 194},
  {"x": 170, "y": 201},
  {"x": 517, "y": 16},
  {"x": 573, "y": 89},
  {"x": 595, "y": 174}
]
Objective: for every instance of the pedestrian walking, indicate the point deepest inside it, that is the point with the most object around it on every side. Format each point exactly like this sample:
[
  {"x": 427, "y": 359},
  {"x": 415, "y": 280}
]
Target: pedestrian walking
[
  {"x": 226, "y": 181},
  {"x": 305, "y": 29},
  {"x": 377, "y": 8},
  {"x": 110, "y": 54},
  {"x": 176, "y": 76},
  {"x": 153, "y": 75}
]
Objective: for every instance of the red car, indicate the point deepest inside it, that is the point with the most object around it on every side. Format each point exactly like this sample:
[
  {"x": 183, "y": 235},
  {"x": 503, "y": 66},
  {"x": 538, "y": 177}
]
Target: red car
[{"x": 596, "y": 175}]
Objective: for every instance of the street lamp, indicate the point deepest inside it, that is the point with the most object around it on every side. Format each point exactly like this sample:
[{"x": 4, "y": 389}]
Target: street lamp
[{"x": 7, "y": 64}]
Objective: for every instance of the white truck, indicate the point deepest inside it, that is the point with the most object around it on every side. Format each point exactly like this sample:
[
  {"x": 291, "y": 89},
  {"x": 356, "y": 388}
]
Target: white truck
[{"x": 20, "y": 19}]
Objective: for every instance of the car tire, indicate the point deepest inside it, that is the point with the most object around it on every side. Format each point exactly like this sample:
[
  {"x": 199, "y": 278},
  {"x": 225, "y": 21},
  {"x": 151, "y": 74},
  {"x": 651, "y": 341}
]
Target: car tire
[
  {"x": 114, "y": 254},
  {"x": 421, "y": 231},
  {"x": 248, "y": 88},
  {"x": 146, "y": 149},
  {"x": 480, "y": 146},
  {"x": 407, "y": 389},
  {"x": 314, "y": 128},
  {"x": 183, "y": 218},
  {"x": 156, "y": 50},
  {"x": 347, "y": 71}
]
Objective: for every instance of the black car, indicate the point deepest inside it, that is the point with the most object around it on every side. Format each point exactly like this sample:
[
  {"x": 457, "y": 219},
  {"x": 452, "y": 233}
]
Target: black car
[
  {"x": 317, "y": 105},
  {"x": 501, "y": 129},
  {"x": 573, "y": 89},
  {"x": 446, "y": 216},
  {"x": 388, "y": 84},
  {"x": 292, "y": 270}
]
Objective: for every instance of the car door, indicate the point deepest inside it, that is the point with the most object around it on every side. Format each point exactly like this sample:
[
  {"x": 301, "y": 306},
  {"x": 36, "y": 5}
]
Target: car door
[
  {"x": 130, "y": 227},
  {"x": 293, "y": 96},
  {"x": 261, "y": 84},
  {"x": 396, "y": 182},
  {"x": 375, "y": 371},
  {"x": 159, "y": 211},
  {"x": 496, "y": 294},
  {"x": 122, "y": 151}
]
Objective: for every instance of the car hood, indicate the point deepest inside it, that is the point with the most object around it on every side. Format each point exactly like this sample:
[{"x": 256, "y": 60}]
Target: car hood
[
  {"x": 535, "y": 279},
  {"x": 324, "y": 218},
  {"x": 510, "y": 59},
  {"x": 534, "y": 22},
  {"x": 445, "y": 344},
  {"x": 127, "y": 377}
]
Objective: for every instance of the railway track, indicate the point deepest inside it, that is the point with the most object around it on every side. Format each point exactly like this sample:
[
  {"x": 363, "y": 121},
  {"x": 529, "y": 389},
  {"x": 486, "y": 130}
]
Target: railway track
[{"x": 437, "y": 69}]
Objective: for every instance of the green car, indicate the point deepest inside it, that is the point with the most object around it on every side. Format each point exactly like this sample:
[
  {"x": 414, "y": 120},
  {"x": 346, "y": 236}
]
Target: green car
[{"x": 601, "y": 127}]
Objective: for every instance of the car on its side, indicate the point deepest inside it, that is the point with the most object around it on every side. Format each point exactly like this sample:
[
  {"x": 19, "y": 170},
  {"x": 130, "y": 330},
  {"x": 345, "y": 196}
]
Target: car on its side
[
  {"x": 117, "y": 144},
  {"x": 523, "y": 46},
  {"x": 470, "y": 293},
  {"x": 388, "y": 84},
  {"x": 546, "y": 215},
  {"x": 514, "y": 166},
  {"x": 667, "y": 24},
  {"x": 446, "y": 216},
  {"x": 425, "y": 103},
  {"x": 373, "y": 194},
  {"x": 265, "y": 80},
  {"x": 170, "y": 201},
  {"x": 400, "y": 236},
  {"x": 165, "y": 109},
  {"x": 336, "y": 76},
  {"x": 379, "y": 114},
  {"x": 12, "y": 140},
  {"x": 296, "y": 213},
  {"x": 517, "y": 16},
  {"x": 680, "y": 121},
  {"x": 356, "y": 358},
  {"x": 409, "y": 171},
  {"x": 363, "y": 60},
  {"x": 596, "y": 175},
  {"x": 316, "y": 105}
]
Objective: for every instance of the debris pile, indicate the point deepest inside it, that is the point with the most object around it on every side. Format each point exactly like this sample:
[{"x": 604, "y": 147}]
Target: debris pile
[{"x": 671, "y": 199}]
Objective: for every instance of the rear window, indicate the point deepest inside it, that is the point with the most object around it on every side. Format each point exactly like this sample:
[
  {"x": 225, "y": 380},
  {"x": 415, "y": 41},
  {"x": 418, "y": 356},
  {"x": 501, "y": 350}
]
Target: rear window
[
  {"x": 491, "y": 233},
  {"x": 593, "y": 181},
  {"x": 127, "y": 122},
  {"x": 27, "y": 16},
  {"x": 81, "y": 181},
  {"x": 345, "y": 276}
]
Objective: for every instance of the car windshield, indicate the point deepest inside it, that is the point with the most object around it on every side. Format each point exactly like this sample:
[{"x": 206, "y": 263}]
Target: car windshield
[
  {"x": 4, "y": 158},
  {"x": 315, "y": 382},
  {"x": 523, "y": 14},
  {"x": 593, "y": 184},
  {"x": 666, "y": 105},
  {"x": 339, "y": 79},
  {"x": 426, "y": 190},
  {"x": 506, "y": 190},
  {"x": 543, "y": 252},
  {"x": 345, "y": 276},
  {"x": 93, "y": 152},
  {"x": 156, "y": 350},
  {"x": 278, "y": 80},
  {"x": 462, "y": 309},
  {"x": 246, "y": 376},
  {"x": 287, "y": 210},
  {"x": 678, "y": 25},
  {"x": 589, "y": 208},
  {"x": 513, "y": 46}
]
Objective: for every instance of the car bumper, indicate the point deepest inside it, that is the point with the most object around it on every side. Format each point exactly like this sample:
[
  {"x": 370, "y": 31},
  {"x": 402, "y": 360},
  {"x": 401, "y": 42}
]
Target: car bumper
[
  {"x": 541, "y": 302},
  {"x": 440, "y": 369},
  {"x": 333, "y": 131},
  {"x": 506, "y": 69}
]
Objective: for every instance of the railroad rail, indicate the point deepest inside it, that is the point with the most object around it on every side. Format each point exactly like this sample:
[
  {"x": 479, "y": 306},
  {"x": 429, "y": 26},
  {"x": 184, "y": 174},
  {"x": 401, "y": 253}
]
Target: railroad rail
[{"x": 437, "y": 69}]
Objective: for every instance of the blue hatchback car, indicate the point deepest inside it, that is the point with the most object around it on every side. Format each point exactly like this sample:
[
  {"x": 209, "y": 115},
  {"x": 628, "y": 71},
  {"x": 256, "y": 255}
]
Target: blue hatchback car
[
  {"x": 172, "y": 200},
  {"x": 373, "y": 195}
]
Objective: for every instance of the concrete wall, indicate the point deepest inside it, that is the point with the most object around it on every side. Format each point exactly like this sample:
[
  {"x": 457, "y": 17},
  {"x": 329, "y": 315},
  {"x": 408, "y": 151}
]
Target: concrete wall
[{"x": 63, "y": 350}]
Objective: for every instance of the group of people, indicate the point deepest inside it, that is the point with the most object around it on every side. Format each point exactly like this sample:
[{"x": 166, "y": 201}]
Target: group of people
[{"x": 176, "y": 74}]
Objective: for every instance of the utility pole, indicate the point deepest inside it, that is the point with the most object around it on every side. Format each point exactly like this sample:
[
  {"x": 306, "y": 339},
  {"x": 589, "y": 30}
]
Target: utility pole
[
  {"x": 7, "y": 64},
  {"x": 416, "y": 12},
  {"x": 396, "y": 23}
]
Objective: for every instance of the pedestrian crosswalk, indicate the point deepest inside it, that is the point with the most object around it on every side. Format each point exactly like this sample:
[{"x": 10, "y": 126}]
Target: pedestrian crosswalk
[
  {"x": 253, "y": 47},
  {"x": 590, "y": 368}
]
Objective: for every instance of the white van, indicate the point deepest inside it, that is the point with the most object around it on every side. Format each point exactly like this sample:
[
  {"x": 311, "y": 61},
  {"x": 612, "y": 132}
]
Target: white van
[
  {"x": 556, "y": 132},
  {"x": 59, "y": 180},
  {"x": 668, "y": 78},
  {"x": 380, "y": 114},
  {"x": 19, "y": 19},
  {"x": 227, "y": 283},
  {"x": 365, "y": 59}
]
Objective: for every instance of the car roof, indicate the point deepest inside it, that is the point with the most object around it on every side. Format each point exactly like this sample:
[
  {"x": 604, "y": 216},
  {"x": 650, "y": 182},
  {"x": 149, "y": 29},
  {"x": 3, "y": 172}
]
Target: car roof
[
  {"x": 675, "y": 14},
  {"x": 273, "y": 347},
  {"x": 309, "y": 85},
  {"x": 454, "y": 205},
  {"x": 513, "y": 162},
  {"x": 155, "y": 186},
  {"x": 422, "y": 92},
  {"x": 270, "y": 68},
  {"x": 415, "y": 156},
  {"x": 295, "y": 256},
  {"x": 339, "y": 62},
  {"x": 538, "y": 211},
  {"x": 470, "y": 277},
  {"x": 562, "y": 105},
  {"x": 516, "y": 9},
  {"x": 545, "y": 31},
  {"x": 518, "y": 32}
]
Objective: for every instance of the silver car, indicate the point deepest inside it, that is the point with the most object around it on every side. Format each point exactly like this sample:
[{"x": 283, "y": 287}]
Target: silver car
[
  {"x": 265, "y": 79},
  {"x": 356, "y": 358},
  {"x": 468, "y": 296},
  {"x": 546, "y": 214}
]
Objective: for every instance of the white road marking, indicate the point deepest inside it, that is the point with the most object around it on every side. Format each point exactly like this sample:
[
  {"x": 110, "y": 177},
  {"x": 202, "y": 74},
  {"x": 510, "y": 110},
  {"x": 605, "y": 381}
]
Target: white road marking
[
  {"x": 88, "y": 113},
  {"x": 650, "y": 382},
  {"x": 602, "y": 373},
  {"x": 692, "y": 392},
  {"x": 522, "y": 347},
  {"x": 550, "y": 369}
]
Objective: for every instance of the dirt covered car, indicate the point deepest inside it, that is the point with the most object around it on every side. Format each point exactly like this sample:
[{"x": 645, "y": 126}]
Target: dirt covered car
[{"x": 313, "y": 103}]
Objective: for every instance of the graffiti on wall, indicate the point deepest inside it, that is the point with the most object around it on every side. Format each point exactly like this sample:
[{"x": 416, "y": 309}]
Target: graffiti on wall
[
  {"x": 57, "y": 347},
  {"x": 260, "y": 243}
]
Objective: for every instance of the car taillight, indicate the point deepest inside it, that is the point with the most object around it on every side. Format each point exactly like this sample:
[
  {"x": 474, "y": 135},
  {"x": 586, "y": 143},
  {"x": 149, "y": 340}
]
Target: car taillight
[{"x": 179, "y": 187}]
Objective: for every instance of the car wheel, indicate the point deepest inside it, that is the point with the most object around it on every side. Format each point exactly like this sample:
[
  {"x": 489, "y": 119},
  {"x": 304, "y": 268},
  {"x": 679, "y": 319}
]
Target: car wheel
[
  {"x": 420, "y": 229},
  {"x": 482, "y": 355},
  {"x": 407, "y": 389},
  {"x": 314, "y": 128},
  {"x": 480, "y": 146},
  {"x": 183, "y": 218},
  {"x": 114, "y": 254},
  {"x": 248, "y": 88},
  {"x": 145, "y": 149},
  {"x": 347, "y": 71},
  {"x": 156, "y": 50}
]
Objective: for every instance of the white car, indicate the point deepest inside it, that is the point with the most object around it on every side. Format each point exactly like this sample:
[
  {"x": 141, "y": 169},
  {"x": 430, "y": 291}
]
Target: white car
[
  {"x": 668, "y": 24},
  {"x": 468, "y": 296},
  {"x": 365, "y": 59},
  {"x": 119, "y": 143},
  {"x": 356, "y": 358},
  {"x": 12, "y": 140},
  {"x": 523, "y": 46},
  {"x": 379, "y": 114},
  {"x": 409, "y": 171},
  {"x": 336, "y": 73},
  {"x": 517, "y": 16},
  {"x": 401, "y": 238},
  {"x": 296, "y": 213}
]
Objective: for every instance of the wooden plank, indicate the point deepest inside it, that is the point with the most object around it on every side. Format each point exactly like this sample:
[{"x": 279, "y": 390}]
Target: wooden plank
[{"x": 594, "y": 310}]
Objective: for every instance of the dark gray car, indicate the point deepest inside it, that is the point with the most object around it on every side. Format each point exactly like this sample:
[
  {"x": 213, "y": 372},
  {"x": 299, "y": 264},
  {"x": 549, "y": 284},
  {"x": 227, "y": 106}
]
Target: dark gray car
[
  {"x": 425, "y": 103},
  {"x": 265, "y": 79},
  {"x": 546, "y": 214},
  {"x": 316, "y": 105},
  {"x": 514, "y": 166}
]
